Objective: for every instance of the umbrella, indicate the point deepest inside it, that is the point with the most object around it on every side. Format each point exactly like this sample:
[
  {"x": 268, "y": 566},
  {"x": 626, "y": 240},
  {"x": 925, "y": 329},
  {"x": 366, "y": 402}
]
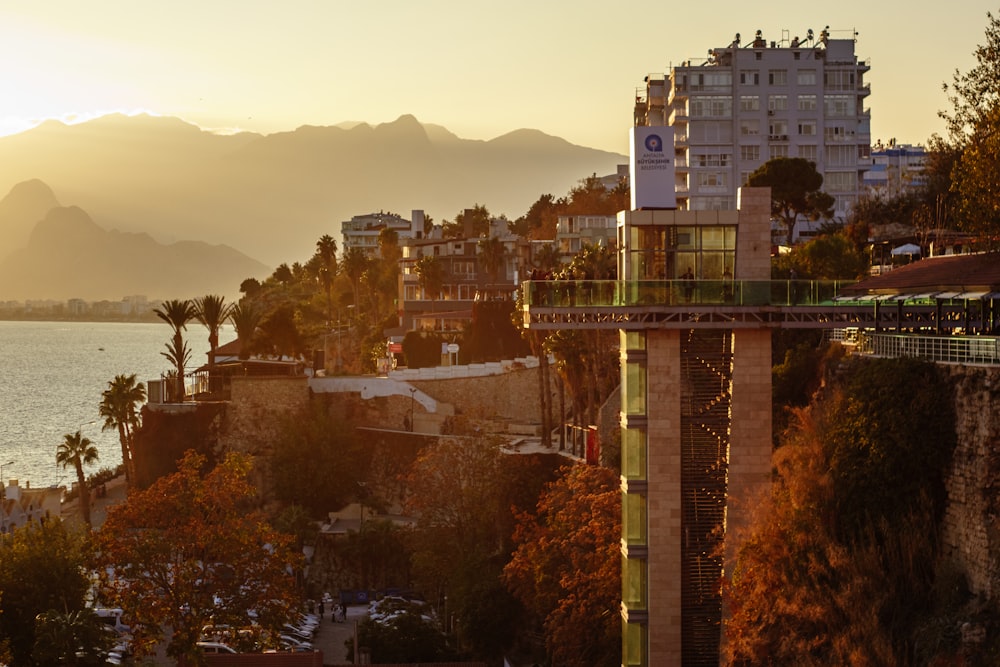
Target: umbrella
[{"x": 907, "y": 249}]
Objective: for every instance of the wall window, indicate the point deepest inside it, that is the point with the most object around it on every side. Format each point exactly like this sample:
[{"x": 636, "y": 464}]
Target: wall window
[
  {"x": 749, "y": 103},
  {"x": 750, "y": 127},
  {"x": 777, "y": 102},
  {"x": 840, "y": 106},
  {"x": 711, "y": 180},
  {"x": 715, "y": 81},
  {"x": 777, "y": 77},
  {"x": 778, "y": 128},
  {"x": 834, "y": 133},
  {"x": 711, "y": 107},
  {"x": 807, "y": 103},
  {"x": 807, "y": 128},
  {"x": 842, "y": 155},
  {"x": 749, "y": 77},
  {"x": 840, "y": 181},
  {"x": 806, "y": 77},
  {"x": 778, "y": 150},
  {"x": 838, "y": 79},
  {"x": 749, "y": 152},
  {"x": 808, "y": 152},
  {"x": 710, "y": 159}
]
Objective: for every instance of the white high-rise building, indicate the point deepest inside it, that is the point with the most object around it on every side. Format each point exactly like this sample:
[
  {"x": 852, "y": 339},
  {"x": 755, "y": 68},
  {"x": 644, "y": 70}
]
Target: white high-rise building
[{"x": 747, "y": 103}]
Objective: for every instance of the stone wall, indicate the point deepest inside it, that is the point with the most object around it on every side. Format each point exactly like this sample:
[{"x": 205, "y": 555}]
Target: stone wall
[
  {"x": 971, "y": 528},
  {"x": 511, "y": 396},
  {"x": 256, "y": 408}
]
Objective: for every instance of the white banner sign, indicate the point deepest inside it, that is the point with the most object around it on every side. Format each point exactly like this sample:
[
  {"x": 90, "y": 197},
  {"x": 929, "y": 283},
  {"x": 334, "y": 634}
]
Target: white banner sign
[{"x": 652, "y": 167}]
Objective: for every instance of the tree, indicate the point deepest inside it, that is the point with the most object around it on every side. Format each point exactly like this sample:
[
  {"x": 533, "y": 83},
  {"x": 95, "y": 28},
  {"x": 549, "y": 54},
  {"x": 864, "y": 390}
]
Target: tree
[
  {"x": 470, "y": 223},
  {"x": 354, "y": 265},
  {"x": 402, "y": 631},
  {"x": 190, "y": 550},
  {"x": 77, "y": 451},
  {"x": 246, "y": 317},
  {"x": 795, "y": 190},
  {"x": 492, "y": 255},
  {"x": 212, "y": 311},
  {"x": 178, "y": 354},
  {"x": 314, "y": 448},
  {"x": 71, "y": 638},
  {"x": 326, "y": 251},
  {"x": 566, "y": 567},
  {"x": 42, "y": 568},
  {"x": 839, "y": 562},
  {"x": 976, "y": 180},
  {"x": 279, "y": 334},
  {"x": 118, "y": 407},
  {"x": 431, "y": 275},
  {"x": 177, "y": 313}
]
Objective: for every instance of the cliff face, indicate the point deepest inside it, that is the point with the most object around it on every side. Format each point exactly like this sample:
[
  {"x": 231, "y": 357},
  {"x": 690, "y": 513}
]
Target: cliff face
[{"x": 971, "y": 526}]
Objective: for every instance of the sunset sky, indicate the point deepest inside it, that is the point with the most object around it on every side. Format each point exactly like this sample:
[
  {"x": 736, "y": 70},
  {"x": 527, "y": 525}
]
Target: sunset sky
[{"x": 481, "y": 69}]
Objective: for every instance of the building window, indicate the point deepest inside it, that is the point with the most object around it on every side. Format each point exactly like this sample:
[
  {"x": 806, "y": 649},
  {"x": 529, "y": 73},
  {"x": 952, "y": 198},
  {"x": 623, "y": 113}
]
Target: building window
[
  {"x": 749, "y": 152},
  {"x": 750, "y": 127},
  {"x": 778, "y": 150},
  {"x": 634, "y": 388},
  {"x": 840, "y": 106},
  {"x": 711, "y": 107},
  {"x": 749, "y": 77},
  {"x": 841, "y": 156},
  {"x": 808, "y": 152},
  {"x": 838, "y": 80},
  {"x": 777, "y": 77},
  {"x": 807, "y": 128},
  {"x": 807, "y": 103},
  {"x": 840, "y": 181},
  {"x": 710, "y": 159},
  {"x": 834, "y": 133},
  {"x": 778, "y": 129},
  {"x": 806, "y": 77},
  {"x": 749, "y": 103},
  {"x": 777, "y": 102},
  {"x": 712, "y": 181}
]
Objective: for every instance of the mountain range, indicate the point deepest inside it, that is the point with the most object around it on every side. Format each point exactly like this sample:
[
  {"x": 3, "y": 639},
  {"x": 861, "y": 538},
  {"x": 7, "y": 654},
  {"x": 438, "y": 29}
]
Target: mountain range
[{"x": 147, "y": 189}]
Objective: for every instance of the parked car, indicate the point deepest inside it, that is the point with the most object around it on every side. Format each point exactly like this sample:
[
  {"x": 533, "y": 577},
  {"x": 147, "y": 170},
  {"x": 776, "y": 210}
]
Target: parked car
[{"x": 215, "y": 648}]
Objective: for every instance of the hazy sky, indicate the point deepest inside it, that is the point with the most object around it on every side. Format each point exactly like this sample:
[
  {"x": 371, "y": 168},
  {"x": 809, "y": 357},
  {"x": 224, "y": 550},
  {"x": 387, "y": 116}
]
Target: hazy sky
[{"x": 481, "y": 69}]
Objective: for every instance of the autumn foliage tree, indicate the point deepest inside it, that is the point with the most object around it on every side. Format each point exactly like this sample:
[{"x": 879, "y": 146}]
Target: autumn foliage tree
[
  {"x": 191, "y": 550},
  {"x": 839, "y": 566},
  {"x": 566, "y": 567}
]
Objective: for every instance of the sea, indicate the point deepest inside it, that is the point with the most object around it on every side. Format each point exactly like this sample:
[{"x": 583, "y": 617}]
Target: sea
[{"x": 52, "y": 375}]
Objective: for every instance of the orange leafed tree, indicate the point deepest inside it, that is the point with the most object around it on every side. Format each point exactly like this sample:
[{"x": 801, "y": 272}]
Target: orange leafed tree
[
  {"x": 191, "y": 550},
  {"x": 567, "y": 566}
]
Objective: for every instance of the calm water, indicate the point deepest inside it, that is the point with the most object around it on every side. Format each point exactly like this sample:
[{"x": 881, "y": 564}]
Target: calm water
[{"x": 53, "y": 374}]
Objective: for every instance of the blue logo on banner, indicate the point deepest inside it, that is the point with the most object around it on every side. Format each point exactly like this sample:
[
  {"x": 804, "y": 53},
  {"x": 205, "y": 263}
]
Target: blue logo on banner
[{"x": 654, "y": 143}]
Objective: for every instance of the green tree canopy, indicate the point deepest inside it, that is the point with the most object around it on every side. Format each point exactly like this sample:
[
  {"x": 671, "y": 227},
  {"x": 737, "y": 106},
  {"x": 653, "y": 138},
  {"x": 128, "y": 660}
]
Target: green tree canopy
[
  {"x": 42, "y": 568},
  {"x": 795, "y": 190}
]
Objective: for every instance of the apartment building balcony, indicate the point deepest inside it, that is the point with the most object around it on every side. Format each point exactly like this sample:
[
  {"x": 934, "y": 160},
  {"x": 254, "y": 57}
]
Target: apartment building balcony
[
  {"x": 678, "y": 116},
  {"x": 777, "y": 137},
  {"x": 864, "y": 90},
  {"x": 681, "y": 139}
]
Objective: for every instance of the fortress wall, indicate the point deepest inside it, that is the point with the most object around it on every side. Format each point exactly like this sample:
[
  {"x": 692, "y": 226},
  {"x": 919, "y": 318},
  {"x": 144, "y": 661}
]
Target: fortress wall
[{"x": 971, "y": 525}]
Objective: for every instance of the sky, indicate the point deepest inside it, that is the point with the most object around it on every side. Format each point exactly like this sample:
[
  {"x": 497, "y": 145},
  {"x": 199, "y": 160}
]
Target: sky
[{"x": 480, "y": 69}]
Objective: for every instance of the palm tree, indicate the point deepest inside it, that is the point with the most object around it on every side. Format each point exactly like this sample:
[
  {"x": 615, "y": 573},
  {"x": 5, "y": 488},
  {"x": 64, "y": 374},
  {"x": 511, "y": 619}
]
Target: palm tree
[
  {"x": 212, "y": 311},
  {"x": 492, "y": 254},
  {"x": 118, "y": 407},
  {"x": 430, "y": 275},
  {"x": 178, "y": 357},
  {"x": 177, "y": 313},
  {"x": 326, "y": 250},
  {"x": 78, "y": 451},
  {"x": 354, "y": 265},
  {"x": 245, "y": 317}
]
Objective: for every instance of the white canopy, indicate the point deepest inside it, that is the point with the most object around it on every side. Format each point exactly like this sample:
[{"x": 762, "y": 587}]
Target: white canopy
[{"x": 907, "y": 249}]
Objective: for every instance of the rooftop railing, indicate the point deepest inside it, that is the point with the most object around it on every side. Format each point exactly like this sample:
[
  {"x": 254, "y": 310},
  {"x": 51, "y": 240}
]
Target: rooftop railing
[
  {"x": 940, "y": 349},
  {"x": 620, "y": 293}
]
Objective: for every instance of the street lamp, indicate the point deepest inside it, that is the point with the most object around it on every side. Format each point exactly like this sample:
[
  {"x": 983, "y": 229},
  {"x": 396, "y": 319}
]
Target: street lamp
[{"x": 413, "y": 391}]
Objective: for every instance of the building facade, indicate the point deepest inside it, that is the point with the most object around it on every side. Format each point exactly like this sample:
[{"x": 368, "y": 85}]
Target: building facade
[
  {"x": 362, "y": 231},
  {"x": 896, "y": 169},
  {"x": 748, "y": 103}
]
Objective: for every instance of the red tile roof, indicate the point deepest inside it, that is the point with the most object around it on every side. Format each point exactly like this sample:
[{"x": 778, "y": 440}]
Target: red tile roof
[{"x": 950, "y": 273}]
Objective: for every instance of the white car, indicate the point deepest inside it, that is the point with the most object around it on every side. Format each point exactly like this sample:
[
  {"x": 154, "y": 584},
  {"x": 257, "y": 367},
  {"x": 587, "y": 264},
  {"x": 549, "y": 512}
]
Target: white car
[{"x": 213, "y": 648}]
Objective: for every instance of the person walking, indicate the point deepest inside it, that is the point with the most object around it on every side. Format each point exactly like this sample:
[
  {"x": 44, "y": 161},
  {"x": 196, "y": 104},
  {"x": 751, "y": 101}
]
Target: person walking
[{"x": 322, "y": 608}]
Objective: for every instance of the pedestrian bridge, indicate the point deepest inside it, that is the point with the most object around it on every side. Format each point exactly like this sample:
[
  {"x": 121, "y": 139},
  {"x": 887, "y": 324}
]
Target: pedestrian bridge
[{"x": 742, "y": 304}]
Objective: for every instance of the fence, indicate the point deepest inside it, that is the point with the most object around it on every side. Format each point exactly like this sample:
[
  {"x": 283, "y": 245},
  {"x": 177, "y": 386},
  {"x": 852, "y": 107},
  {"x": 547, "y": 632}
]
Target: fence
[{"x": 943, "y": 349}]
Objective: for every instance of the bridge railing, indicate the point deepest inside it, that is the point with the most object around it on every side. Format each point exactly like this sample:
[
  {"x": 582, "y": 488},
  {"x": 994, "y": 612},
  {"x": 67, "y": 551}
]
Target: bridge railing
[
  {"x": 945, "y": 349},
  {"x": 621, "y": 293}
]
